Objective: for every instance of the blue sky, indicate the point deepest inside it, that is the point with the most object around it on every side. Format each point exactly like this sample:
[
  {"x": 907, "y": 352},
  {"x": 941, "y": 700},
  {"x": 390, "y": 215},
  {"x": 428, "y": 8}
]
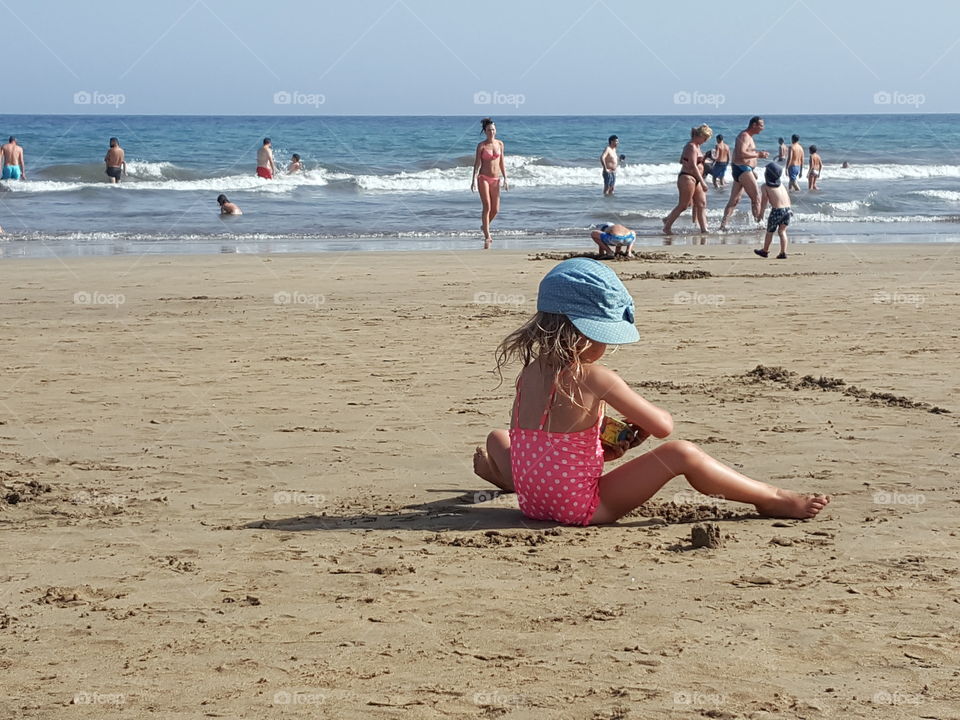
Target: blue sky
[{"x": 423, "y": 57}]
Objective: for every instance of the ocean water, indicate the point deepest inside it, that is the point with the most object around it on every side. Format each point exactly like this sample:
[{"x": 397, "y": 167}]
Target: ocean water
[{"x": 404, "y": 182}]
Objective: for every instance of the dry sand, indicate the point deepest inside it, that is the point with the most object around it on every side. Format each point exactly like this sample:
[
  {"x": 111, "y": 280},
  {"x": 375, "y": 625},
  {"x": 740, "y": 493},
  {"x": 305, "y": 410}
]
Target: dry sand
[{"x": 215, "y": 505}]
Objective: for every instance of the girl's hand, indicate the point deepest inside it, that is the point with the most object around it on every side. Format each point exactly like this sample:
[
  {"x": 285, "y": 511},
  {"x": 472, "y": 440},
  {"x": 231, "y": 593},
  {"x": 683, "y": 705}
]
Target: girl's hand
[
  {"x": 505, "y": 186},
  {"x": 473, "y": 186},
  {"x": 614, "y": 453}
]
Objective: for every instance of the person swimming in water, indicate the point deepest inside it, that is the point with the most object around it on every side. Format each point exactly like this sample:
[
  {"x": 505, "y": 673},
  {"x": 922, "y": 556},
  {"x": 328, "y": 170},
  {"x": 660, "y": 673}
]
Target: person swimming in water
[{"x": 227, "y": 207}]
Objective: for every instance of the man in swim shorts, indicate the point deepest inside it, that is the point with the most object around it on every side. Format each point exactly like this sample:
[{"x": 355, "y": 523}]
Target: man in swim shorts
[
  {"x": 608, "y": 161},
  {"x": 266, "y": 168},
  {"x": 116, "y": 166},
  {"x": 745, "y": 156},
  {"x": 615, "y": 236},
  {"x": 12, "y": 155},
  {"x": 795, "y": 162},
  {"x": 721, "y": 159}
]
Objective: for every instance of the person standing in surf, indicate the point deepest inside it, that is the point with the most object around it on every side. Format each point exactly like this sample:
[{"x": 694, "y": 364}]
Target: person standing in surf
[
  {"x": 488, "y": 168},
  {"x": 608, "y": 162},
  {"x": 114, "y": 159},
  {"x": 266, "y": 167},
  {"x": 721, "y": 159},
  {"x": 12, "y": 154}
]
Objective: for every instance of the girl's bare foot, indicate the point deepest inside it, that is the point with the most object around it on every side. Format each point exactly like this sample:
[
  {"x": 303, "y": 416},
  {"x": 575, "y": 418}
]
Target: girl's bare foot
[
  {"x": 790, "y": 504},
  {"x": 482, "y": 467},
  {"x": 487, "y": 242}
]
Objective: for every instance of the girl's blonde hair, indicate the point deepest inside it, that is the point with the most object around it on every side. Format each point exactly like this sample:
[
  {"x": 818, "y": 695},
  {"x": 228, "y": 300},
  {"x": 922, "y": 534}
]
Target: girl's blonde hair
[
  {"x": 552, "y": 340},
  {"x": 704, "y": 131}
]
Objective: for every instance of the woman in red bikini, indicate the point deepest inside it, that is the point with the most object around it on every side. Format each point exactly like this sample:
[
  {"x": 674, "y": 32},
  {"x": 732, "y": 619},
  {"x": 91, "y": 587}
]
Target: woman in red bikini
[{"x": 488, "y": 166}]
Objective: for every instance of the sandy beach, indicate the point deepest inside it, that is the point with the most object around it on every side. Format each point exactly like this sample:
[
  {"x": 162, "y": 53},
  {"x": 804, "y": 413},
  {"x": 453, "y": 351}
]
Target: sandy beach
[{"x": 240, "y": 486}]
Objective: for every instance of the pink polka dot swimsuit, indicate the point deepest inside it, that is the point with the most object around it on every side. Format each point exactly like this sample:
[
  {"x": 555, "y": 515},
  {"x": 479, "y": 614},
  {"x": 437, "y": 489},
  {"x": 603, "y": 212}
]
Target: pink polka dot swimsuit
[{"x": 556, "y": 475}]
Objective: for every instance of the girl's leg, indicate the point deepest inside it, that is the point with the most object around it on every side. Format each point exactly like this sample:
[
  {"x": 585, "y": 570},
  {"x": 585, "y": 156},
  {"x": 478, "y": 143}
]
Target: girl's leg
[
  {"x": 484, "y": 190},
  {"x": 494, "y": 200},
  {"x": 685, "y": 187},
  {"x": 635, "y": 482},
  {"x": 493, "y": 464}
]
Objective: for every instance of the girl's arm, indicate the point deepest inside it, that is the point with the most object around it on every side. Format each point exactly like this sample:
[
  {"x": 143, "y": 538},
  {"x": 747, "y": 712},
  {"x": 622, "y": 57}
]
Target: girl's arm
[
  {"x": 610, "y": 387},
  {"x": 503, "y": 166},
  {"x": 476, "y": 168}
]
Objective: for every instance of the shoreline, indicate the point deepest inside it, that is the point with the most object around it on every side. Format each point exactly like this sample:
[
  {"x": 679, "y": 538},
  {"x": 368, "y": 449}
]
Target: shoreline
[{"x": 20, "y": 250}]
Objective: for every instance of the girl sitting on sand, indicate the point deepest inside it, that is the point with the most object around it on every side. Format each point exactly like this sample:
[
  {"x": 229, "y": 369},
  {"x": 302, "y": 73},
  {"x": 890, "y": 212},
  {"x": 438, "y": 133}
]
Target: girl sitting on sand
[{"x": 552, "y": 456}]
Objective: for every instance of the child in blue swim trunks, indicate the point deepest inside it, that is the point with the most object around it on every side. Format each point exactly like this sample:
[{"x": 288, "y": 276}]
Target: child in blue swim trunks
[{"x": 611, "y": 235}]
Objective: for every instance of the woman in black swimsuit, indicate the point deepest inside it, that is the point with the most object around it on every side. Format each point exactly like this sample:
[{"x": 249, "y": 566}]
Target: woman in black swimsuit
[{"x": 691, "y": 183}]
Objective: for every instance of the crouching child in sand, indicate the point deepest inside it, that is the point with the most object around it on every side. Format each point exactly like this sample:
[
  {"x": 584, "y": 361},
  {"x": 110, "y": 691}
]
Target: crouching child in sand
[
  {"x": 777, "y": 196},
  {"x": 611, "y": 237},
  {"x": 552, "y": 456},
  {"x": 227, "y": 207}
]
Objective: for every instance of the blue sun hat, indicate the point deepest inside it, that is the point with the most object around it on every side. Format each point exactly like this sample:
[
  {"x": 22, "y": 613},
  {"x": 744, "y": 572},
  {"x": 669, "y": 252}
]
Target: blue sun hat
[{"x": 592, "y": 296}]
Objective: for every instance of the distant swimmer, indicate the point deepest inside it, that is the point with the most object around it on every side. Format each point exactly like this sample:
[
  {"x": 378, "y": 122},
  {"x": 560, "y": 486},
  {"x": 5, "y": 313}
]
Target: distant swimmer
[
  {"x": 721, "y": 159},
  {"x": 745, "y": 156},
  {"x": 488, "y": 168},
  {"x": 781, "y": 150},
  {"x": 795, "y": 163},
  {"x": 116, "y": 166},
  {"x": 816, "y": 166},
  {"x": 12, "y": 160},
  {"x": 611, "y": 237},
  {"x": 608, "y": 161},
  {"x": 266, "y": 167},
  {"x": 295, "y": 165},
  {"x": 227, "y": 207}
]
